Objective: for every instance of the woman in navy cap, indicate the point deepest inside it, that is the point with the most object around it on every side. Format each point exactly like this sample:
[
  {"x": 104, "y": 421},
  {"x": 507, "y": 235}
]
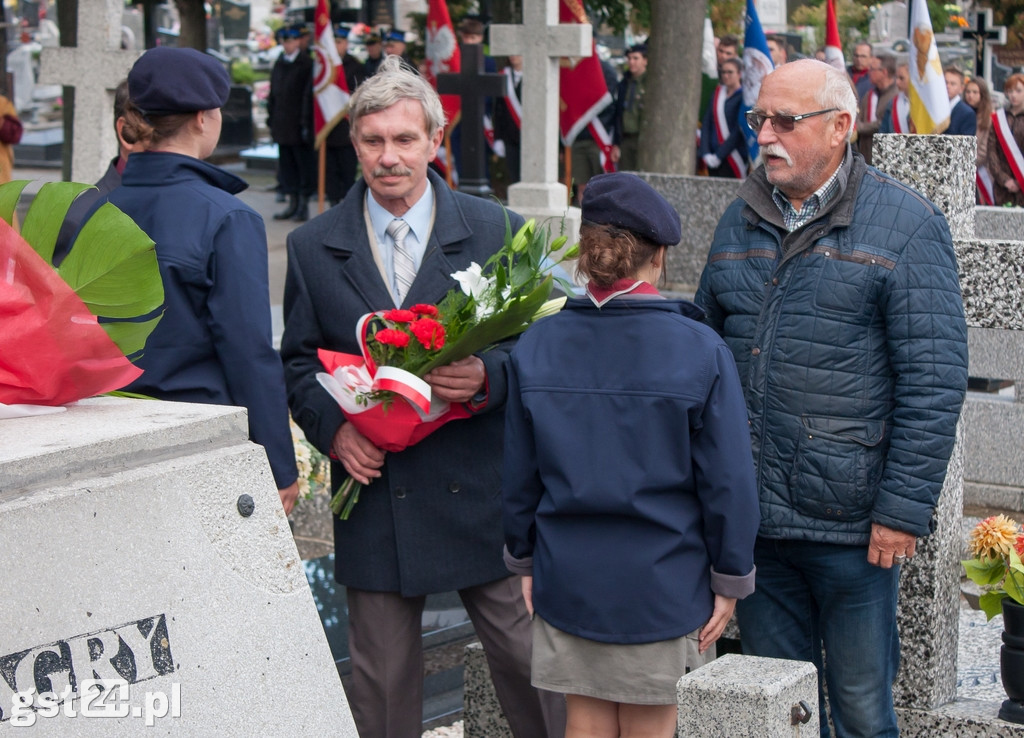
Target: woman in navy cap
[
  {"x": 213, "y": 344},
  {"x": 629, "y": 500}
]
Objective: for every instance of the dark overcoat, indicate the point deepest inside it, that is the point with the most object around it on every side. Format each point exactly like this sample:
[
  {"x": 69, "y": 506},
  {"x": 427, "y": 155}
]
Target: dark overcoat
[
  {"x": 290, "y": 100},
  {"x": 432, "y": 522}
]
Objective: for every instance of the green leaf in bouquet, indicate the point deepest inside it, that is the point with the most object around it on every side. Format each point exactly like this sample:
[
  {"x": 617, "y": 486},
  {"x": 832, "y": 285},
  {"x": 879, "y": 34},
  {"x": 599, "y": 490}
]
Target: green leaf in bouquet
[
  {"x": 511, "y": 322},
  {"x": 130, "y": 336},
  {"x": 46, "y": 215},
  {"x": 991, "y": 604},
  {"x": 10, "y": 193},
  {"x": 112, "y": 266},
  {"x": 985, "y": 572}
]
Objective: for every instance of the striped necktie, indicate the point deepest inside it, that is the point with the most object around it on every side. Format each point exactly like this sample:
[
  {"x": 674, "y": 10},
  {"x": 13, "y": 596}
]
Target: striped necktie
[{"x": 405, "y": 268}]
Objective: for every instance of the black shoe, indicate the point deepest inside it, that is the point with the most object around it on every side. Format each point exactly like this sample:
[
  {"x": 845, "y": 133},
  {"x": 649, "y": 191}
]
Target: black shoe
[
  {"x": 279, "y": 197},
  {"x": 301, "y": 213},
  {"x": 288, "y": 212}
]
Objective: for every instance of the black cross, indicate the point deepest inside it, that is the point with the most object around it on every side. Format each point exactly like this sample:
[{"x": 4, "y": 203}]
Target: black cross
[
  {"x": 983, "y": 33},
  {"x": 473, "y": 86}
]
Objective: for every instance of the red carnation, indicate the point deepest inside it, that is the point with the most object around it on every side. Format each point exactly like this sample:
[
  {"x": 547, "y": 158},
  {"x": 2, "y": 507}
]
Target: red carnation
[
  {"x": 1019, "y": 545},
  {"x": 422, "y": 309},
  {"x": 428, "y": 332},
  {"x": 392, "y": 337},
  {"x": 400, "y": 316}
]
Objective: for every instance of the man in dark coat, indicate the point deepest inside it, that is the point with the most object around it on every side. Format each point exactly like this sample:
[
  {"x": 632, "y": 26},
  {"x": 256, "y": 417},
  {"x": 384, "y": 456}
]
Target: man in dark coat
[
  {"x": 428, "y": 518},
  {"x": 290, "y": 117},
  {"x": 341, "y": 155},
  {"x": 876, "y": 102},
  {"x": 629, "y": 110}
]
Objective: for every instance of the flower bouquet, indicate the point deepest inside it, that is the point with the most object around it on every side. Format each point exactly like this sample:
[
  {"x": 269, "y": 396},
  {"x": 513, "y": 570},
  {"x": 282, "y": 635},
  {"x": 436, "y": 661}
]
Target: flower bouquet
[
  {"x": 381, "y": 391},
  {"x": 997, "y": 545},
  {"x": 71, "y": 332}
]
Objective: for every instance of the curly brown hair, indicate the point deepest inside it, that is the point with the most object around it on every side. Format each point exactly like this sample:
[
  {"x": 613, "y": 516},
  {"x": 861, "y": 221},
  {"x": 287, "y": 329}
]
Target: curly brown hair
[{"x": 609, "y": 253}]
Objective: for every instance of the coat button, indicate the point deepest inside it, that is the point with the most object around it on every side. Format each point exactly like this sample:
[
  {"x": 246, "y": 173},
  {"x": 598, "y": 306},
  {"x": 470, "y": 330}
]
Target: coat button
[
  {"x": 756, "y": 351},
  {"x": 454, "y": 488},
  {"x": 775, "y": 281},
  {"x": 400, "y": 493}
]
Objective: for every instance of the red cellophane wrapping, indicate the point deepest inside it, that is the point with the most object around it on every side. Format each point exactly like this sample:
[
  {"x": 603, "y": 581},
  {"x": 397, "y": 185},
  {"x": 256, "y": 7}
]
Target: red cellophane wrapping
[
  {"x": 52, "y": 349},
  {"x": 397, "y": 427}
]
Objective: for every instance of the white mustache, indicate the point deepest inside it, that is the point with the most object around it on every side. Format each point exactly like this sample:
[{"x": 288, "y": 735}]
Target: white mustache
[
  {"x": 397, "y": 171},
  {"x": 776, "y": 150}
]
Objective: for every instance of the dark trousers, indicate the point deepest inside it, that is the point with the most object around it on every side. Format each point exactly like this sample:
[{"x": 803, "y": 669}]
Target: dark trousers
[
  {"x": 296, "y": 169},
  {"x": 340, "y": 171},
  {"x": 386, "y": 697}
]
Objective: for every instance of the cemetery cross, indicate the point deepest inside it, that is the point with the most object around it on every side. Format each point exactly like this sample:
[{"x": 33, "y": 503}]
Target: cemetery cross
[
  {"x": 542, "y": 41},
  {"x": 984, "y": 34},
  {"x": 473, "y": 86},
  {"x": 94, "y": 67}
]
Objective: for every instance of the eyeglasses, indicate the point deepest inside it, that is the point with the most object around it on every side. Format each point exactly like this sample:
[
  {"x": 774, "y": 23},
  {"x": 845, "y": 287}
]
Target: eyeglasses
[{"x": 781, "y": 123}]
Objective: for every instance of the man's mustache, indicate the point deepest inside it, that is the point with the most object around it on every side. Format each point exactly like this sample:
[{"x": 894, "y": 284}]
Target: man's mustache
[{"x": 396, "y": 171}]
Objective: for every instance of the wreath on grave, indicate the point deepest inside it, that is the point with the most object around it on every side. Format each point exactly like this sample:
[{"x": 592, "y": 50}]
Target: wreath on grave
[{"x": 71, "y": 331}]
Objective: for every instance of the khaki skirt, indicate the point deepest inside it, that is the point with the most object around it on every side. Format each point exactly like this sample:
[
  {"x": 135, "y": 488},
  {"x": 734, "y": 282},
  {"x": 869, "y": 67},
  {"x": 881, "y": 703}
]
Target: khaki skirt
[{"x": 631, "y": 673}]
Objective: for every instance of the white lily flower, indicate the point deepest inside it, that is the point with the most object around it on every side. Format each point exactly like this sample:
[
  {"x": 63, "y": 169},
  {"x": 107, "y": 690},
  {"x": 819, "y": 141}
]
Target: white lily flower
[{"x": 472, "y": 281}]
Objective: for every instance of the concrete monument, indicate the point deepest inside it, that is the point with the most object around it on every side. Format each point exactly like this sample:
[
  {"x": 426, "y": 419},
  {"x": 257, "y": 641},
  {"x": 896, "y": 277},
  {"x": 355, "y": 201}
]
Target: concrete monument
[{"x": 144, "y": 546}]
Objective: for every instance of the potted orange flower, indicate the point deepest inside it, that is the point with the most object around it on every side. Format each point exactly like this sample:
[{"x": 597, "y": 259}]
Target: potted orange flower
[{"x": 997, "y": 544}]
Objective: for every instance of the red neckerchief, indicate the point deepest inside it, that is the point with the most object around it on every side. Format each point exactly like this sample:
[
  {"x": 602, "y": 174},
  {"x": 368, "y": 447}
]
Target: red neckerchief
[{"x": 601, "y": 295}]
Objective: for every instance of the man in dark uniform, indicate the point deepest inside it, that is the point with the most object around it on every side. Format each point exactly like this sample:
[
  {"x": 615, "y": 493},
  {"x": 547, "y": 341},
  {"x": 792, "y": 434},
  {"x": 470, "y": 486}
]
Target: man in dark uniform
[
  {"x": 629, "y": 108},
  {"x": 341, "y": 161},
  {"x": 290, "y": 117},
  {"x": 374, "y": 53}
]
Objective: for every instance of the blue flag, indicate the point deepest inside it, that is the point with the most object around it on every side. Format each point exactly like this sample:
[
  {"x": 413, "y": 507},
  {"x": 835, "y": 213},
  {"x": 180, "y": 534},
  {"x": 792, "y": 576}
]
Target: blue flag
[{"x": 757, "y": 63}]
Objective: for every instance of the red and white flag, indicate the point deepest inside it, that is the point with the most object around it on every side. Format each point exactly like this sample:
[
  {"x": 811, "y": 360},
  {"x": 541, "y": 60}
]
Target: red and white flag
[
  {"x": 443, "y": 55},
  {"x": 330, "y": 90},
  {"x": 582, "y": 88},
  {"x": 833, "y": 44}
]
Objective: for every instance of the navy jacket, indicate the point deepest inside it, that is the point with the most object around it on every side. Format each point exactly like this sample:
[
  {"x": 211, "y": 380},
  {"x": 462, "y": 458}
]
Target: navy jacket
[
  {"x": 963, "y": 120},
  {"x": 734, "y": 141},
  {"x": 850, "y": 339},
  {"x": 627, "y": 473},
  {"x": 432, "y": 522},
  {"x": 214, "y": 343}
]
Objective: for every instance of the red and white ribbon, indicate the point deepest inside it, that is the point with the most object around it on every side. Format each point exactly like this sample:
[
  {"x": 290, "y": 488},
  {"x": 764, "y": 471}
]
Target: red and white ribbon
[
  {"x": 391, "y": 378},
  {"x": 1009, "y": 145},
  {"x": 735, "y": 161}
]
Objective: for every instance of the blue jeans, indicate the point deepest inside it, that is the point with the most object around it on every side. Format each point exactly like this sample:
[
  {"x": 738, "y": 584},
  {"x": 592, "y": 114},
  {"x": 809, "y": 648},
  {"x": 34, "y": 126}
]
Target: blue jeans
[{"x": 813, "y": 595}]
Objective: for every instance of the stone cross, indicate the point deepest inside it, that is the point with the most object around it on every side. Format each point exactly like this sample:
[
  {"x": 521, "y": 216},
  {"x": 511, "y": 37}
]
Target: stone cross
[
  {"x": 541, "y": 40},
  {"x": 94, "y": 68},
  {"x": 473, "y": 86},
  {"x": 984, "y": 34}
]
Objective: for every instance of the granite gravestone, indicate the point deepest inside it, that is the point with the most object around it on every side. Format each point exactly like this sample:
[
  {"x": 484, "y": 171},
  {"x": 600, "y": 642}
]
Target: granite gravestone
[{"x": 144, "y": 546}]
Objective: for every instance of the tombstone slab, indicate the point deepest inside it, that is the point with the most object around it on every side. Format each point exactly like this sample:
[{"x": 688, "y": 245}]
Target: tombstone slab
[{"x": 144, "y": 542}]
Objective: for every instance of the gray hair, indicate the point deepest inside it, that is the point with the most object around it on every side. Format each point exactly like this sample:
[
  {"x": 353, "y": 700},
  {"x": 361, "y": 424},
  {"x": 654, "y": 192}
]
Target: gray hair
[
  {"x": 837, "y": 92},
  {"x": 393, "y": 82}
]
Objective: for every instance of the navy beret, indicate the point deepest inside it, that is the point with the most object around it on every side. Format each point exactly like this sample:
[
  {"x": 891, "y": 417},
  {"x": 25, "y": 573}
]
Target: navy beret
[
  {"x": 166, "y": 80},
  {"x": 640, "y": 48},
  {"x": 624, "y": 200}
]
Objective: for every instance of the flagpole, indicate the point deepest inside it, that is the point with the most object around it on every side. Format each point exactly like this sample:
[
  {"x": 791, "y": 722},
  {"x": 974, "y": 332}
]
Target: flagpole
[
  {"x": 321, "y": 176},
  {"x": 567, "y": 158},
  {"x": 450, "y": 159}
]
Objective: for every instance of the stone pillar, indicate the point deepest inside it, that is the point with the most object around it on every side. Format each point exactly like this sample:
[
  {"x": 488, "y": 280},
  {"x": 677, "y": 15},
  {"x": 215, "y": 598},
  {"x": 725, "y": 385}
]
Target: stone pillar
[
  {"x": 942, "y": 169},
  {"x": 749, "y": 695}
]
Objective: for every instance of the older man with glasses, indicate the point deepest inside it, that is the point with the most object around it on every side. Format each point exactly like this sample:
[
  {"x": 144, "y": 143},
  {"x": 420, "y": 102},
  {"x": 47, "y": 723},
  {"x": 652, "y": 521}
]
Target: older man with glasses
[{"x": 836, "y": 288}]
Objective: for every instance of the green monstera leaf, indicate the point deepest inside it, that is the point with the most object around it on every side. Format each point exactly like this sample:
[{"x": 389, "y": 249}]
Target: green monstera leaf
[{"x": 112, "y": 265}]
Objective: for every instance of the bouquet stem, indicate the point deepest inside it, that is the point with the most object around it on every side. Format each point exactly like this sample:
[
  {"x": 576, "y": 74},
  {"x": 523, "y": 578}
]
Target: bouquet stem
[{"x": 346, "y": 498}]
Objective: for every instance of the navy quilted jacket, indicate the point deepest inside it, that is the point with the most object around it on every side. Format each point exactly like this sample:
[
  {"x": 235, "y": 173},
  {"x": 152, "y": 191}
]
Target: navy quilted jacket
[{"x": 851, "y": 344}]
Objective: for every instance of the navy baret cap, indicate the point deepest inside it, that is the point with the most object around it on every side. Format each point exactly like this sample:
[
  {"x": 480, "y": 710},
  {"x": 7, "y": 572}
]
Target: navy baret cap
[
  {"x": 624, "y": 200},
  {"x": 166, "y": 81}
]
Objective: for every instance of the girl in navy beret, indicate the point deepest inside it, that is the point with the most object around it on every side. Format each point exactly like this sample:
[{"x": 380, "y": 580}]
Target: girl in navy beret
[
  {"x": 628, "y": 489},
  {"x": 213, "y": 343}
]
